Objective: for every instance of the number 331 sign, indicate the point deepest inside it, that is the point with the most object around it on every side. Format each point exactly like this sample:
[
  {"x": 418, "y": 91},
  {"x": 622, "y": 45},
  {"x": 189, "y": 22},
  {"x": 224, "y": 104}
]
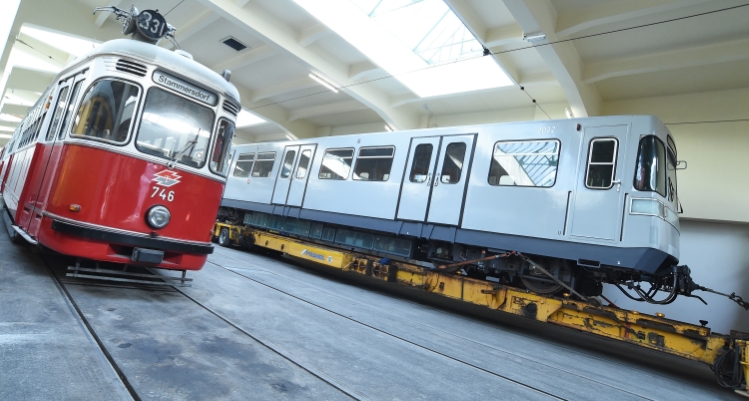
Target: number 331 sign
[{"x": 151, "y": 24}]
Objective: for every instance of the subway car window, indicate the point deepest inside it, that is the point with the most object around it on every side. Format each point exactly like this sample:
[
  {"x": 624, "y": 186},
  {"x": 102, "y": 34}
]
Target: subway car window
[
  {"x": 62, "y": 99},
  {"x": 244, "y": 165},
  {"x": 288, "y": 164},
  {"x": 174, "y": 128},
  {"x": 650, "y": 172},
  {"x": 452, "y": 165},
  {"x": 374, "y": 164},
  {"x": 671, "y": 172},
  {"x": 301, "y": 169},
  {"x": 220, "y": 160},
  {"x": 336, "y": 164},
  {"x": 601, "y": 163},
  {"x": 524, "y": 163},
  {"x": 264, "y": 164},
  {"x": 420, "y": 165},
  {"x": 106, "y": 111}
]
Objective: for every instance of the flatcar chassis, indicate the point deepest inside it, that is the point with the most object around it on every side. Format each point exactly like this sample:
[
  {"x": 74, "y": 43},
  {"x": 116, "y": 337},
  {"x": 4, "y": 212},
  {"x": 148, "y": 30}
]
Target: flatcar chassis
[{"x": 697, "y": 343}]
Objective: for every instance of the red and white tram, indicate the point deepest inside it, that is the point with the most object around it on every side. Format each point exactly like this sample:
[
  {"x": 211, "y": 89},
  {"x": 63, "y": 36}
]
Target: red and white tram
[{"x": 124, "y": 158}]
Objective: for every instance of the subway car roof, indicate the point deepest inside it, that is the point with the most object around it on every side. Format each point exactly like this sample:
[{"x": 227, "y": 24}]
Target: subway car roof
[{"x": 149, "y": 53}]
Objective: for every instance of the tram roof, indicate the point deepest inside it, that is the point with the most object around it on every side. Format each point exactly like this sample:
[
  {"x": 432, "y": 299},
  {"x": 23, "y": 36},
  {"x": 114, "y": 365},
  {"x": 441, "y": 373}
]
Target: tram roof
[{"x": 157, "y": 55}]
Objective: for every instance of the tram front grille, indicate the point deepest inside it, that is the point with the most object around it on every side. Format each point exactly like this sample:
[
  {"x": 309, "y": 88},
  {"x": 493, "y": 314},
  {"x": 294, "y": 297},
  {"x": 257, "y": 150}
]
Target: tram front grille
[
  {"x": 231, "y": 108},
  {"x": 131, "y": 67}
]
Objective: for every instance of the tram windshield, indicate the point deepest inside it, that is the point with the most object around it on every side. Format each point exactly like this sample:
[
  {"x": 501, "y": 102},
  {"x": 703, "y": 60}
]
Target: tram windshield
[{"x": 173, "y": 127}]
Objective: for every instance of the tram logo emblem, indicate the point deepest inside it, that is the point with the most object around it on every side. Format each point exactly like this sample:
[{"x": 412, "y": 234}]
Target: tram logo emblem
[{"x": 166, "y": 178}]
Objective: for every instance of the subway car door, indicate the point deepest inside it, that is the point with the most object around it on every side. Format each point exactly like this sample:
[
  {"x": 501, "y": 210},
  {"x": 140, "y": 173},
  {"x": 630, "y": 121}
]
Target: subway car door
[
  {"x": 283, "y": 181},
  {"x": 599, "y": 201},
  {"x": 417, "y": 181},
  {"x": 450, "y": 179},
  {"x": 301, "y": 173}
]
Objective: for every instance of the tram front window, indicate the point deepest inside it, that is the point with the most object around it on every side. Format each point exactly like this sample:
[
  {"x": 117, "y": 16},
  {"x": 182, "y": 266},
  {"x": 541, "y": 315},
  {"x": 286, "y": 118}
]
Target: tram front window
[{"x": 175, "y": 128}]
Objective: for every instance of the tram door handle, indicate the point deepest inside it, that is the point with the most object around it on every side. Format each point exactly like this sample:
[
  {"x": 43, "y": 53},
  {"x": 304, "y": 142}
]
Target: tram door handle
[
  {"x": 429, "y": 179},
  {"x": 436, "y": 179},
  {"x": 618, "y": 184}
]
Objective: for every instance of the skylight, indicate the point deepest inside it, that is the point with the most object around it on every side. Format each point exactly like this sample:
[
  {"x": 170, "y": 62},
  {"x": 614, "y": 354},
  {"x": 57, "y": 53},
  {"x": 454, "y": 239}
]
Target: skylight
[
  {"x": 247, "y": 119},
  {"x": 407, "y": 37}
]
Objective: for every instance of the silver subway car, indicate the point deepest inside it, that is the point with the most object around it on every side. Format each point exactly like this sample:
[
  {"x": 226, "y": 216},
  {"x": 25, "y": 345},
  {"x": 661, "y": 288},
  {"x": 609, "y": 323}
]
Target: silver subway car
[{"x": 568, "y": 204}]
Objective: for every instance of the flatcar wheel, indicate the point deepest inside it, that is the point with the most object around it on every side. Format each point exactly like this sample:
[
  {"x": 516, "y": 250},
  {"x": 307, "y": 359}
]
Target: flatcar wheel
[
  {"x": 223, "y": 237},
  {"x": 544, "y": 285}
]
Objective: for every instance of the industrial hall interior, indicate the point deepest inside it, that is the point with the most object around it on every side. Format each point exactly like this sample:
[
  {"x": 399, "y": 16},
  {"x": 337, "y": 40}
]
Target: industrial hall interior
[{"x": 374, "y": 200}]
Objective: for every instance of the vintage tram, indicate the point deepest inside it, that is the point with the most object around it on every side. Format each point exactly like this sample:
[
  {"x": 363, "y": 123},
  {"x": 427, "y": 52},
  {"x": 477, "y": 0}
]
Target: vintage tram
[{"x": 124, "y": 157}]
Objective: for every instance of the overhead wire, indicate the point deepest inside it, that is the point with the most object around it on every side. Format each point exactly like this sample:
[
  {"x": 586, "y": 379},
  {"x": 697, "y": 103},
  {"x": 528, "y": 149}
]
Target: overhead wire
[{"x": 368, "y": 81}]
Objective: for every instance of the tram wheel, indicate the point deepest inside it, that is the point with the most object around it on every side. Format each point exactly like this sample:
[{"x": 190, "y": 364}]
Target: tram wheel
[
  {"x": 223, "y": 237},
  {"x": 543, "y": 285}
]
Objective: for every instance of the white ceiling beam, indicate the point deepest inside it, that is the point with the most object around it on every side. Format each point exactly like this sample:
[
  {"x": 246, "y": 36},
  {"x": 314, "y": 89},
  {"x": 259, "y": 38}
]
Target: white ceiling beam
[
  {"x": 575, "y": 21},
  {"x": 241, "y": 3},
  {"x": 670, "y": 60},
  {"x": 104, "y": 15},
  {"x": 284, "y": 88},
  {"x": 312, "y": 34},
  {"x": 14, "y": 109},
  {"x": 361, "y": 70},
  {"x": 29, "y": 80},
  {"x": 326, "y": 110},
  {"x": 503, "y": 35},
  {"x": 539, "y": 17},
  {"x": 246, "y": 58},
  {"x": 256, "y": 21}
]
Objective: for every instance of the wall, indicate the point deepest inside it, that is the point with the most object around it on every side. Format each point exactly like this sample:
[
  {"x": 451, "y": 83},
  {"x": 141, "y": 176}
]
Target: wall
[{"x": 711, "y": 131}]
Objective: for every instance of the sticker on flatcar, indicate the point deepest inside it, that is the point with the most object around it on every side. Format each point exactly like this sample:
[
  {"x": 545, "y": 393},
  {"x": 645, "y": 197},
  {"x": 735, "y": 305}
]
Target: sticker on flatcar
[
  {"x": 184, "y": 87},
  {"x": 313, "y": 255},
  {"x": 166, "y": 178}
]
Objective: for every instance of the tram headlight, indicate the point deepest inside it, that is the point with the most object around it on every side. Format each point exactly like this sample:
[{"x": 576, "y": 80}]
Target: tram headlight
[{"x": 158, "y": 216}]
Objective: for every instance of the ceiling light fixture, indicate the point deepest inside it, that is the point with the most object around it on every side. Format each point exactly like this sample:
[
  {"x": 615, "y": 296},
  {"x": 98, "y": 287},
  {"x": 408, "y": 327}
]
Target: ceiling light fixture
[
  {"x": 568, "y": 112},
  {"x": 291, "y": 137},
  {"x": 387, "y": 128},
  {"x": 534, "y": 38},
  {"x": 7, "y": 129},
  {"x": 5, "y": 136},
  {"x": 234, "y": 44},
  {"x": 323, "y": 82},
  {"x": 10, "y": 118}
]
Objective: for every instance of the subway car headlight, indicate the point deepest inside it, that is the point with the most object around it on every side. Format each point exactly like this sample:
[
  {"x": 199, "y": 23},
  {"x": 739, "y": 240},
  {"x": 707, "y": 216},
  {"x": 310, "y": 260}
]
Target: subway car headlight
[
  {"x": 158, "y": 216},
  {"x": 647, "y": 206}
]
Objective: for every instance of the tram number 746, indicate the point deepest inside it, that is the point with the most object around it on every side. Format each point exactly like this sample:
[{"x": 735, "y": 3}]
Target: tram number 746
[{"x": 161, "y": 193}]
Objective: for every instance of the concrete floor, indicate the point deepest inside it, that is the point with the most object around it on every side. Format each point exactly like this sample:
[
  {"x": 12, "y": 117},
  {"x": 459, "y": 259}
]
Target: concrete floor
[{"x": 258, "y": 327}]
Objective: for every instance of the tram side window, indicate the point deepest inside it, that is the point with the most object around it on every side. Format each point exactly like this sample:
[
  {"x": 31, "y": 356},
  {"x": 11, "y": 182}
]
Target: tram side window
[
  {"x": 524, "y": 163},
  {"x": 62, "y": 99},
  {"x": 264, "y": 164},
  {"x": 601, "y": 163},
  {"x": 220, "y": 160},
  {"x": 420, "y": 165},
  {"x": 336, "y": 164},
  {"x": 374, "y": 163},
  {"x": 301, "y": 169},
  {"x": 244, "y": 165},
  {"x": 452, "y": 165},
  {"x": 650, "y": 171},
  {"x": 671, "y": 170},
  {"x": 69, "y": 111},
  {"x": 107, "y": 111},
  {"x": 288, "y": 164}
]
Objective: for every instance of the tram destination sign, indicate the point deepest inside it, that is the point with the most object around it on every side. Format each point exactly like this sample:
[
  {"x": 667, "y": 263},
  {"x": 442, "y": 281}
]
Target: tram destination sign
[{"x": 185, "y": 88}]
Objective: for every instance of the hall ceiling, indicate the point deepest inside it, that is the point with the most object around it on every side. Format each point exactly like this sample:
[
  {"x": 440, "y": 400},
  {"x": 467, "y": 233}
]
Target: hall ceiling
[{"x": 594, "y": 51}]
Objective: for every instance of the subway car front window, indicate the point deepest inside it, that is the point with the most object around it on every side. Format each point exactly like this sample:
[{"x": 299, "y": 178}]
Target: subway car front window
[
  {"x": 650, "y": 169},
  {"x": 673, "y": 194},
  {"x": 175, "y": 128}
]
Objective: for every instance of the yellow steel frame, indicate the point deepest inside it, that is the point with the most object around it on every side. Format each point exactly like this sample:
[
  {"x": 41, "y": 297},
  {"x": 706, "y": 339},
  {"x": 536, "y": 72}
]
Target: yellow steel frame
[{"x": 655, "y": 332}]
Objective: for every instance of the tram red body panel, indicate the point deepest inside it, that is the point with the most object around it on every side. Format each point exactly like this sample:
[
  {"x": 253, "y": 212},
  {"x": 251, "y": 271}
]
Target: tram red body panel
[{"x": 118, "y": 193}]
